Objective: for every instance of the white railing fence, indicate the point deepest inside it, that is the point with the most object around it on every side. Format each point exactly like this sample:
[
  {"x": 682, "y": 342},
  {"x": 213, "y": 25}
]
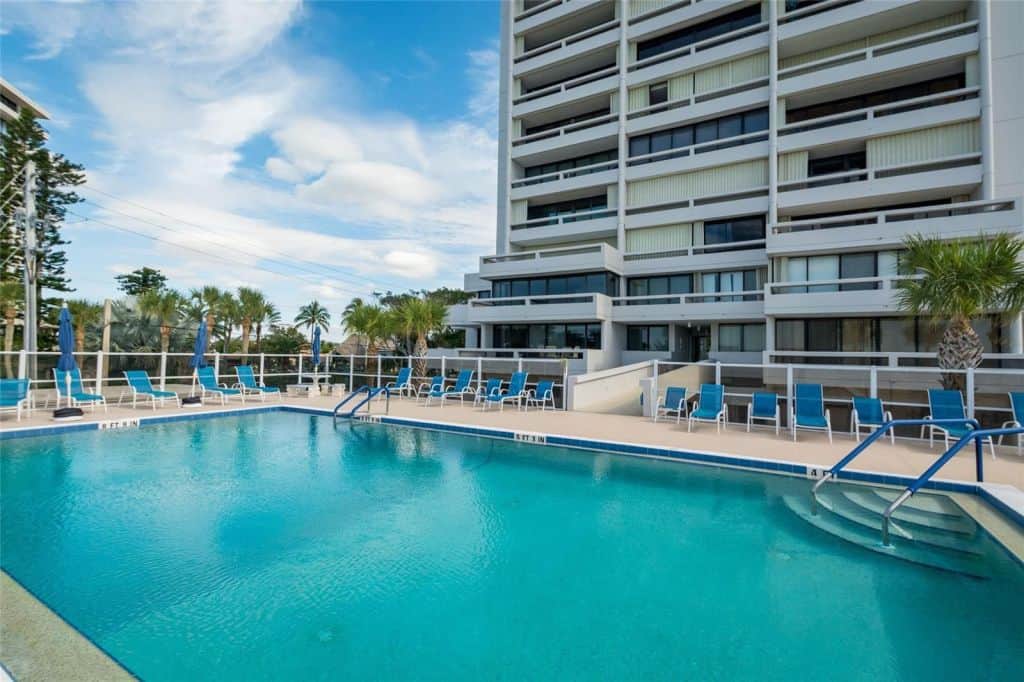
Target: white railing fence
[{"x": 103, "y": 372}]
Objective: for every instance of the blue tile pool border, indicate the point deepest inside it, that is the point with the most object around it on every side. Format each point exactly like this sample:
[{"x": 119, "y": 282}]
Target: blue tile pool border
[{"x": 778, "y": 467}]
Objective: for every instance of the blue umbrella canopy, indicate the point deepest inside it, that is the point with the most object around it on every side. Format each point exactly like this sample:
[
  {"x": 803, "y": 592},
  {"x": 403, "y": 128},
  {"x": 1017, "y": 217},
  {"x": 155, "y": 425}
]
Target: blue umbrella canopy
[
  {"x": 66, "y": 341},
  {"x": 316, "y": 346},
  {"x": 198, "y": 351}
]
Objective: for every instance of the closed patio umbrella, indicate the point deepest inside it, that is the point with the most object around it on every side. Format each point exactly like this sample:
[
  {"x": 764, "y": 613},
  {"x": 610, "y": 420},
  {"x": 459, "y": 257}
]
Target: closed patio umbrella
[{"x": 66, "y": 342}]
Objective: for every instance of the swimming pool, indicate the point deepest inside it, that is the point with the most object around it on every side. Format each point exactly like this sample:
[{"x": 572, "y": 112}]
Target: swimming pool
[{"x": 278, "y": 545}]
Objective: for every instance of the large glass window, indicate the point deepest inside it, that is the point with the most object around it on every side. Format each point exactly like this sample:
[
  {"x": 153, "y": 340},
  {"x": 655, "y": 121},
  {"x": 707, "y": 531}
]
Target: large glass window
[
  {"x": 704, "y": 131},
  {"x": 748, "y": 16},
  {"x": 741, "y": 338},
  {"x": 647, "y": 337}
]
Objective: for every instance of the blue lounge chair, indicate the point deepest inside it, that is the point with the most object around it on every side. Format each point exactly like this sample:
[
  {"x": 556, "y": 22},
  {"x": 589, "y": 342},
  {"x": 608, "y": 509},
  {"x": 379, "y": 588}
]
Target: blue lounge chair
[
  {"x": 493, "y": 387},
  {"x": 674, "y": 400},
  {"x": 14, "y": 395},
  {"x": 764, "y": 407},
  {"x": 77, "y": 394},
  {"x": 542, "y": 396},
  {"x": 402, "y": 384},
  {"x": 949, "y": 404},
  {"x": 463, "y": 387},
  {"x": 247, "y": 383},
  {"x": 208, "y": 384},
  {"x": 809, "y": 412},
  {"x": 710, "y": 407},
  {"x": 1017, "y": 408},
  {"x": 435, "y": 384},
  {"x": 142, "y": 387},
  {"x": 516, "y": 392},
  {"x": 868, "y": 413}
]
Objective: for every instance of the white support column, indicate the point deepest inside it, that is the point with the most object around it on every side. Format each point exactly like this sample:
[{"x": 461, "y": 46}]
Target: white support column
[
  {"x": 988, "y": 161},
  {"x": 99, "y": 372},
  {"x": 163, "y": 371}
]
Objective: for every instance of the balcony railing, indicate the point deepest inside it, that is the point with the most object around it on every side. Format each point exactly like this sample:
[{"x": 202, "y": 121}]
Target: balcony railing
[
  {"x": 683, "y": 299},
  {"x": 875, "y": 51},
  {"x": 567, "y": 85},
  {"x": 818, "y": 286},
  {"x": 700, "y": 46},
  {"x": 896, "y": 215},
  {"x": 567, "y": 218},
  {"x": 566, "y": 174},
  {"x": 753, "y": 84},
  {"x": 880, "y": 111},
  {"x": 698, "y": 250},
  {"x": 566, "y": 129},
  {"x": 701, "y": 148},
  {"x": 816, "y": 8},
  {"x": 567, "y": 41},
  {"x": 862, "y": 175}
]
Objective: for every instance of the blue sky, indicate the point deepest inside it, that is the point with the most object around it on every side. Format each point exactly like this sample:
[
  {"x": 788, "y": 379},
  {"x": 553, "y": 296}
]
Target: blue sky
[{"x": 316, "y": 150}]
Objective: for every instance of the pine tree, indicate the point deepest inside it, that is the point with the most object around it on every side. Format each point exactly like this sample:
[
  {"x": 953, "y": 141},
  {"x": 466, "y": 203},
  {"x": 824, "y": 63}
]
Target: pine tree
[{"x": 24, "y": 139}]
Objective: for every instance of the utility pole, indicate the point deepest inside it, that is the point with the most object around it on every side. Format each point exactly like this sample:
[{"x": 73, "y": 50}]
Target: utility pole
[{"x": 28, "y": 217}]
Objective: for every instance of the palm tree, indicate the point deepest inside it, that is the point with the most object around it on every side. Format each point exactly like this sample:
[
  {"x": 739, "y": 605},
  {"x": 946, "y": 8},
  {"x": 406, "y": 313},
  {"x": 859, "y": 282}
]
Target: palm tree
[
  {"x": 251, "y": 305},
  {"x": 269, "y": 315},
  {"x": 166, "y": 306},
  {"x": 313, "y": 315},
  {"x": 959, "y": 281},
  {"x": 10, "y": 297},
  {"x": 84, "y": 314},
  {"x": 419, "y": 317}
]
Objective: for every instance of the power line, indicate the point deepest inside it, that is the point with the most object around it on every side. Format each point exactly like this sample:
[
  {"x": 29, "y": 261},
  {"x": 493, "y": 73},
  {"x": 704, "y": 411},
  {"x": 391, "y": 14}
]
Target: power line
[
  {"x": 206, "y": 253},
  {"x": 208, "y": 228}
]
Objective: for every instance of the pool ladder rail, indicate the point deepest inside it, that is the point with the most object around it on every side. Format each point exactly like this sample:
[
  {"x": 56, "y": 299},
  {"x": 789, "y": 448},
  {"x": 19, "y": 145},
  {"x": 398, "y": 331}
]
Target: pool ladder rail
[
  {"x": 371, "y": 393},
  {"x": 977, "y": 435}
]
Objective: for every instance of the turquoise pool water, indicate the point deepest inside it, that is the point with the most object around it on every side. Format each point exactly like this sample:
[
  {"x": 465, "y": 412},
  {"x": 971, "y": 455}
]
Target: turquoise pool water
[{"x": 278, "y": 546}]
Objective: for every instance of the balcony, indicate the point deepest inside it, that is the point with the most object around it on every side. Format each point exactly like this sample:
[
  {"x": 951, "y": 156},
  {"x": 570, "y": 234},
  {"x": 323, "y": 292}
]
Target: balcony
[
  {"x": 685, "y": 307},
  {"x": 731, "y": 256},
  {"x": 597, "y": 224},
  {"x": 552, "y": 261},
  {"x": 889, "y": 228},
  {"x": 571, "y": 47},
  {"x": 863, "y": 296},
  {"x": 918, "y": 181},
  {"x": 551, "y": 308},
  {"x": 744, "y": 41},
  {"x": 704, "y": 155},
  {"x": 910, "y": 114},
  {"x": 594, "y": 175},
  {"x": 598, "y": 129},
  {"x": 941, "y": 45}
]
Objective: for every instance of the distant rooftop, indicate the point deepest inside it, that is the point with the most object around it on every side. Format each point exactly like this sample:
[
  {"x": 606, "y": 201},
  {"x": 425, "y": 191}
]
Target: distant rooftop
[{"x": 12, "y": 101}]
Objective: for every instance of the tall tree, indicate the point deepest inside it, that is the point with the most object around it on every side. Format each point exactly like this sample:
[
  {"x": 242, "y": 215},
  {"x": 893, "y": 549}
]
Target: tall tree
[
  {"x": 165, "y": 305},
  {"x": 959, "y": 281},
  {"x": 313, "y": 315},
  {"x": 84, "y": 314},
  {"x": 141, "y": 280},
  {"x": 252, "y": 304},
  {"x": 11, "y": 294},
  {"x": 24, "y": 139}
]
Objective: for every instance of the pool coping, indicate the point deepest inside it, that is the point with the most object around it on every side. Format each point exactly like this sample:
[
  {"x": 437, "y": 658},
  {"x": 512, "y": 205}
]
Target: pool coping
[{"x": 1006, "y": 499}]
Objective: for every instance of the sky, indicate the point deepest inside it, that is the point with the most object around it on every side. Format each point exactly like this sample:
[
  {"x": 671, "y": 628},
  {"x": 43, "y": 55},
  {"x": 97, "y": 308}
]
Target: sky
[{"x": 313, "y": 150}]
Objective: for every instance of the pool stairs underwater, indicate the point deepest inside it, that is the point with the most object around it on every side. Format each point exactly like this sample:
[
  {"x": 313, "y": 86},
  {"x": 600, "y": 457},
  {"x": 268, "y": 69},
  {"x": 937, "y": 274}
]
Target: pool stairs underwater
[{"x": 928, "y": 529}]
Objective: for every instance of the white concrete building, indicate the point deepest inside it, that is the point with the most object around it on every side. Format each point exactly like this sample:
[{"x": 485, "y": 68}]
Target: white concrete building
[
  {"x": 733, "y": 178},
  {"x": 12, "y": 101}
]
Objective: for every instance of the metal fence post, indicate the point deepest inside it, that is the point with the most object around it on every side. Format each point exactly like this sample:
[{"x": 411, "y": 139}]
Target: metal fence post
[
  {"x": 351, "y": 372},
  {"x": 873, "y": 390},
  {"x": 378, "y": 370},
  {"x": 99, "y": 372},
  {"x": 262, "y": 368},
  {"x": 163, "y": 370},
  {"x": 789, "y": 393},
  {"x": 970, "y": 392}
]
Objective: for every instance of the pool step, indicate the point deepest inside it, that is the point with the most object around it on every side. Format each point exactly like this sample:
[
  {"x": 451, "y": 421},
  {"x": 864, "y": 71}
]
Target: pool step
[
  {"x": 902, "y": 548},
  {"x": 837, "y": 502},
  {"x": 923, "y": 509}
]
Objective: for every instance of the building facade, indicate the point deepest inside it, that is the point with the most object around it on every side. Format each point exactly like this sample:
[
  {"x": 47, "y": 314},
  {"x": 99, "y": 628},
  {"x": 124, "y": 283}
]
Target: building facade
[
  {"x": 12, "y": 101},
  {"x": 733, "y": 179}
]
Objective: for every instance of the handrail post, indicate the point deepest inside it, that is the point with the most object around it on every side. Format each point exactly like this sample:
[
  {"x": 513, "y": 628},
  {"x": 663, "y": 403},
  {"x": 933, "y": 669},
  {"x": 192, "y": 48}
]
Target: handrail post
[{"x": 163, "y": 370}]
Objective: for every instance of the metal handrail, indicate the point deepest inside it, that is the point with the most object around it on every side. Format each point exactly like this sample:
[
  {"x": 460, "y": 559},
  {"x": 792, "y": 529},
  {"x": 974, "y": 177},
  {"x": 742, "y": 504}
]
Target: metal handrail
[
  {"x": 371, "y": 394},
  {"x": 878, "y": 433},
  {"x": 979, "y": 436}
]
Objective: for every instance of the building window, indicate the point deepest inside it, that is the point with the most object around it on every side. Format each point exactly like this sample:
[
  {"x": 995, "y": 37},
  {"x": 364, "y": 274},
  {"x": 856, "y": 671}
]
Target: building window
[
  {"x": 704, "y": 131},
  {"x": 647, "y": 337},
  {"x": 574, "y": 335},
  {"x": 674, "y": 40},
  {"x": 741, "y": 338},
  {"x": 657, "y": 93},
  {"x": 584, "y": 283}
]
